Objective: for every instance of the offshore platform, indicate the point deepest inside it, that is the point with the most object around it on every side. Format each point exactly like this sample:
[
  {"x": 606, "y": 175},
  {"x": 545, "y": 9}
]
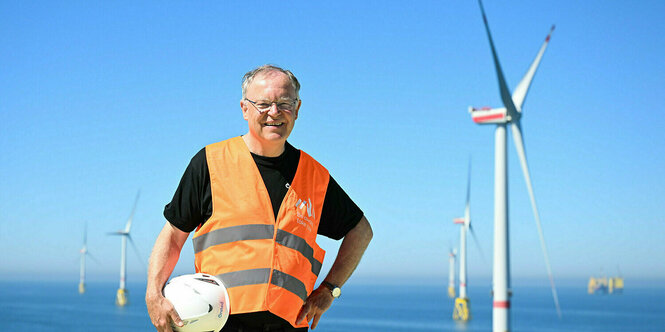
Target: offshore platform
[{"x": 604, "y": 285}]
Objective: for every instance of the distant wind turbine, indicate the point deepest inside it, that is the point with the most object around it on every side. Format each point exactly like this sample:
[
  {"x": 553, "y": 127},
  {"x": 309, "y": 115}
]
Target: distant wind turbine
[
  {"x": 84, "y": 252},
  {"x": 462, "y": 310},
  {"x": 511, "y": 114},
  {"x": 121, "y": 295}
]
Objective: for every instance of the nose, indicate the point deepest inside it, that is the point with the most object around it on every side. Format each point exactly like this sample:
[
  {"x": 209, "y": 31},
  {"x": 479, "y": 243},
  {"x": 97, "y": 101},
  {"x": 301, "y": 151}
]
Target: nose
[{"x": 273, "y": 109}]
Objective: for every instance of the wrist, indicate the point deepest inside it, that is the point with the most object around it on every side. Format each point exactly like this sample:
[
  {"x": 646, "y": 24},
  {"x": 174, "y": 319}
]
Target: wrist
[
  {"x": 152, "y": 294},
  {"x": 334, "y": 290}
]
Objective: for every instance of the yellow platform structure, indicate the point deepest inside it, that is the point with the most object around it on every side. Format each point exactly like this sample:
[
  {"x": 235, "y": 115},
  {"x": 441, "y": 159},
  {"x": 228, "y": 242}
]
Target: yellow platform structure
[
  {"x": 81, "y": 288},
  {"x": 596, "y": 285},
  {"x": 121, "y": 297},
  {"x": 451, "y": 292},
  {"x": 462, "y": 311},
  {"x": 615, "y": 285}
]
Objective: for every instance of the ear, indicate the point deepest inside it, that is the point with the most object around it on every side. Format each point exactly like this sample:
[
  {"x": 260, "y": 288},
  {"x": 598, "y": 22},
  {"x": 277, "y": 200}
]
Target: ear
[
  {"x": 295, "y": 113},
  {"x": 245, "y": 109}
]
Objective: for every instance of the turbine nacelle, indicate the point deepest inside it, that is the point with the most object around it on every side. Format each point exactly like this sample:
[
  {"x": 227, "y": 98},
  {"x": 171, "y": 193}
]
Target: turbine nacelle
[
  {"x": 466, "y": 222},
  {"x": 487, "y": 115},
  {"x": 453, "y": 253}
]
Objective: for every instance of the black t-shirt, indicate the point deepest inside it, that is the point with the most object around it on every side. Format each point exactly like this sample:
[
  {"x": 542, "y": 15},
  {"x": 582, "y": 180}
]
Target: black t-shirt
[{"x": 191, "y": 205}]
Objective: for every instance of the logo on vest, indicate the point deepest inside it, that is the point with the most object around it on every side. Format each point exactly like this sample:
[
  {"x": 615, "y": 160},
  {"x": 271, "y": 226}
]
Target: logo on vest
[{"x": 304, "y": 213}]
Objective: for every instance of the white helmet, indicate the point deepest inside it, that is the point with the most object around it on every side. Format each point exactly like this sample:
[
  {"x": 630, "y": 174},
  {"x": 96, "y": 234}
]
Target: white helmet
[{"x": 201, "y": 300}]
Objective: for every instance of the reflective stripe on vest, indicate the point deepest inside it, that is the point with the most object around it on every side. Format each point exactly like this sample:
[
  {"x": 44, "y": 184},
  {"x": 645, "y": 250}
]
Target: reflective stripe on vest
[
  {"x": 266, "y": 263},
  {"x": 262, "y": 276},
  {"x": 257, "y": 232}
]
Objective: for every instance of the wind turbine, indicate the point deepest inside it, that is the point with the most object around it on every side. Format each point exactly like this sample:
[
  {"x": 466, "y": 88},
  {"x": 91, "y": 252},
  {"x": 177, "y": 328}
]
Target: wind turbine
[
  {"x": 462, "y": 309},
  {"x": 451, "y": 273},
  {"x": 84, "y": 251},
  {"x": 121, "y": 295},
  {"x": 511, "y": 114}
]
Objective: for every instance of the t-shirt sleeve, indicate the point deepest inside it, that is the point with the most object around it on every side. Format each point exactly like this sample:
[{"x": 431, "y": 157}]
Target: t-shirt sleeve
[
  {"x": 339, "y": 214},
  {"x": 187, "y": 210}
]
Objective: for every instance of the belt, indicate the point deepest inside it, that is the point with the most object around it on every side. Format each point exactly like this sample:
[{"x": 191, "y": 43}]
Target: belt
[{"x": 235, "y": 327}]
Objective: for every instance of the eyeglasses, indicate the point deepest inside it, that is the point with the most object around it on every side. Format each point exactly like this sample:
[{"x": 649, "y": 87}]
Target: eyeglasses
[{"x": 265, "y": 106}]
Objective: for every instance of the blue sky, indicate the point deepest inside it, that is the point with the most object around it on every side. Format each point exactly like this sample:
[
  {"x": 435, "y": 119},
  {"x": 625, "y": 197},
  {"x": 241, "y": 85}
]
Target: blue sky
[{"x": 98, "y": 101}]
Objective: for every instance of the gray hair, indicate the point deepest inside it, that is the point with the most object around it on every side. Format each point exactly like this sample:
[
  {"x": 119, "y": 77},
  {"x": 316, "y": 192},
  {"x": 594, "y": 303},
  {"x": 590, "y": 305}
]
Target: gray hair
[{"x": 249, "y": 77}]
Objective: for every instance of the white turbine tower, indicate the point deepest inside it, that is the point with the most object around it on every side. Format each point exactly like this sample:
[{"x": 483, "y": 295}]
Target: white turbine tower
[
  {"x": 451, "y": 273},
  {"x": 511, "y": 114},
  {"x": 462, "y": 309},
  {"x": 84, "y": 252},
  {"x": 121, "y": 295}
]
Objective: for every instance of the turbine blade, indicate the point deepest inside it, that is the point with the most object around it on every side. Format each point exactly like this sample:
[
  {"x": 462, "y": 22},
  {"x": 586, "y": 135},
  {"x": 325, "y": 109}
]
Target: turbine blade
[
  {"x": 523, "y": 87},
  {"x": 480, "y": 249},
  {"x": 93, "y": 257},
  {"x": 503, "y": 87},
  {"x": 519, "y": 145},
  {"x": 131, "y": 216},
  {"x": 85, "y": 234},
  {"x": 136, "y": 250}
]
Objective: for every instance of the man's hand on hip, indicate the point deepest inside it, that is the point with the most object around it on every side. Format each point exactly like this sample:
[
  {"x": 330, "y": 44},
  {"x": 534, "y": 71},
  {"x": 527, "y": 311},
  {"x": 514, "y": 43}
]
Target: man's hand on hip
[{"x": 316, "y": 304}]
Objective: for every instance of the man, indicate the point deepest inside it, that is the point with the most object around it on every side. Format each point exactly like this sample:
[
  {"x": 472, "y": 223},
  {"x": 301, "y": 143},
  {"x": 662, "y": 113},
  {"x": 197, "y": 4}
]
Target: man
[{"x": 256, "y": 204}]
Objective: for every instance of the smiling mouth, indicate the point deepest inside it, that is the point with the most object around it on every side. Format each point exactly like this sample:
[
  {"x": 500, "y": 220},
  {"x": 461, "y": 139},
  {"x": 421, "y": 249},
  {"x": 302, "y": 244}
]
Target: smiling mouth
[{"x": 274, "y": 124}]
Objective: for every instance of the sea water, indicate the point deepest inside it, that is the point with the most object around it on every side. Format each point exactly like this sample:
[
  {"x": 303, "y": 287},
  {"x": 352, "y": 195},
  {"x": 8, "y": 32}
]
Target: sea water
[{"x": 57, "y": 306}]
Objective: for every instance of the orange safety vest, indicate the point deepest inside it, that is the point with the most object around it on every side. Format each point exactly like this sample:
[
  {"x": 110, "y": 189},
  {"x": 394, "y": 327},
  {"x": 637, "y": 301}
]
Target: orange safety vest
[{"x": 265, "y": 264}]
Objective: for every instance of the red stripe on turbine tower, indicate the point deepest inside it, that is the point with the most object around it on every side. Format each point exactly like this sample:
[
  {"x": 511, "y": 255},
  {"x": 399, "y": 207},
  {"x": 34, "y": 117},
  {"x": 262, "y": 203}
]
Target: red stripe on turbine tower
[{"x": 502, "y": 304}]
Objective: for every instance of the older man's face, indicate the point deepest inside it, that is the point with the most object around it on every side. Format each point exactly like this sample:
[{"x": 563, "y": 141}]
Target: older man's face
[{"x": 273, "y": 125}]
